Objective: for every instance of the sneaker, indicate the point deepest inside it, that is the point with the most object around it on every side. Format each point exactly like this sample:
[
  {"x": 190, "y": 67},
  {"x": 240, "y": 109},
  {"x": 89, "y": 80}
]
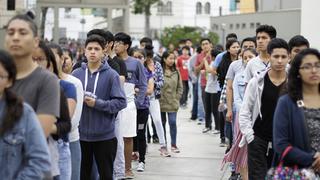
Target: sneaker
[
  {"x": 200, "y": 122},
  {"x": 164, "y": 152},
  {"x": 140, "y": 167},
  {"x": 205, "y": 130},
  {"x": 129, "y": 174},
  {"x": 234, "y": 176},
  {"x": 155, "y": 140},
  {"x": 135, "y": 156},
  {"x": 175, "y": 149},
  {"x": 215, "y": 132},
  {"x": 223, "y": 143}
]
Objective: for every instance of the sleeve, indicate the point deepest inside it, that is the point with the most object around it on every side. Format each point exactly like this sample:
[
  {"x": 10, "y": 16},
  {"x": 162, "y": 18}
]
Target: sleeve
[
  {"x": 158, "y": 75},
  {"x": 179, "y": 87},
  {"x": 71, "y": 92},
  {"x": 142, "y": 83},
  {"x": 231, "y": 73},
  {"x": 64, "y": 122},
  {"x": 198, "y": 60},
  {"x": 218, "y": 60},
  {"x": 247, "y": 74},
  {"x": 179, "y": 62},
  {"x": 123, "y": 67},
  {"x": 36, "y": 152},
  {"x": 245, "y": 114},
  {"x": 49, "y": 97},
  {"x": 114, "y": 65},
  {"x": 236, "y": 96},
  {"x": 117, "y": 100},
  {"x": 281, "y": 136}
]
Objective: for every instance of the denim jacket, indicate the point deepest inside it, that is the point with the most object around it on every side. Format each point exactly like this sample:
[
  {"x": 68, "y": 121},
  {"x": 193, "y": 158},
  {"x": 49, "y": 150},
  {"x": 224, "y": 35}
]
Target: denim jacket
[
  {"x": 239, "y": 86},
  {"x": 23, "y": 150}
]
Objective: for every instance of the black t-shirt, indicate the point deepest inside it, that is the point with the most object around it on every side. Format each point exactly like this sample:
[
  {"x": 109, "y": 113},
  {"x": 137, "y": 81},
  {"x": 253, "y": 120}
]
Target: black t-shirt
[
  {"x": 122, "y": 65},
  {"x": 270, "y": 94},
  {"x": 113, "y": 64}
]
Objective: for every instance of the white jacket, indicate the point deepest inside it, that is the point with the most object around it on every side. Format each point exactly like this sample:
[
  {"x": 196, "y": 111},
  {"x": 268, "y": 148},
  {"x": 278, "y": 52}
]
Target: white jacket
[{"x": 251, "y": 107}]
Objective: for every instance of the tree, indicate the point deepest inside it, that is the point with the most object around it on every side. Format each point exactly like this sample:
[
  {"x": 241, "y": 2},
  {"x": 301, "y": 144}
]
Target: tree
[
  {"x": 143, "y": 7},
  {"x": 175, "y": 34}
]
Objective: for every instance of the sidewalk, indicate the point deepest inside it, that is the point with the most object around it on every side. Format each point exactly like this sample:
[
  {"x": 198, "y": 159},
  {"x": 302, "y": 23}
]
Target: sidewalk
[{"x": 200, "y": 156}]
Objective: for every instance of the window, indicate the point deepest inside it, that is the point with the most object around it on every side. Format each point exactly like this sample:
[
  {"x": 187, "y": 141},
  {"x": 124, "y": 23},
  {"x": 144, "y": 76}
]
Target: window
[
  {"x": 252, "y": 25},
  {"x": 238, "y": 26},
  {"x": 243, "y": 25},
  {"x": 169, "y": 7},
  {"x": 160, "y": 7},
  {"x": 258, "y": 24},
  {"x": 207, "y": 8},
  {"x": 230, "y": 26},
  {"x": 199, "y": 8}
]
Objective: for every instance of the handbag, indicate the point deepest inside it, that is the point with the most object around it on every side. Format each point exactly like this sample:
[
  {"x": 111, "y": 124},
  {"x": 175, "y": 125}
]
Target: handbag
[{"x": 290, "y": 173}]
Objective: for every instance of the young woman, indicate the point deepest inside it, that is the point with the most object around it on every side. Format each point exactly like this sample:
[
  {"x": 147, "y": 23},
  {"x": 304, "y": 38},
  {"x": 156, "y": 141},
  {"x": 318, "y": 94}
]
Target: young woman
[
  {"x": 60, "y": 131},
  {"x": 238, "y": 155},
  {"x": 170, "y": 97},
  {"x": 297, "y": 115},
  {"x": 140, "y": 143},
  {"x": 24, "y": 153},
  {"x": 67, "y": 61}
]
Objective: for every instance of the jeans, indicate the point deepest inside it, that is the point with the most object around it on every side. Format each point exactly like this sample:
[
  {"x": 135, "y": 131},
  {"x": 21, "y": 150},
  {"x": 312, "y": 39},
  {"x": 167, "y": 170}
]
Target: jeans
[
  {"x": 154, "y": 110},
  {"x": 172, "y": 116},
  {"x": 201, "y": 114},
  {"x": 194, "y": 113},
  {"x": 75, "y": 150},
  {"x": 104, "y": 152},
  {"x": 64, "y": 160},
  {"x": 259, "y": 158},
  {"x": 211, "y": 107},
  {"x": 139, "y": 142},
  {"x": 184, "y": 97}
]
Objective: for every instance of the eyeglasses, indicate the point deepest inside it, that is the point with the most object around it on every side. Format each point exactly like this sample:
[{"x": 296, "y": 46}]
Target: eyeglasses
[
  {"x": 118, "y": 43},
  {"x": 3, "y": 77},
  {"x": 309, "y": 67},
  {"x": 39, "y": 59}
]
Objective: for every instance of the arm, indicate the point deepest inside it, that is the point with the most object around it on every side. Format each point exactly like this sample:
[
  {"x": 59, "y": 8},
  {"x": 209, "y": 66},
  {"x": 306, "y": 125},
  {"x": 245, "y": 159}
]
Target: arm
[
  {"x": 150, "y": 86},
  {"x": 199, "y": 66},
  {"x": 72, "y": 106},
  {"x": 36, "y": 152},
  {"x": 63, "y": 126},
  {"x": 142, "y": 83},
  {"x": 158, "y": 75},
  {"x": 229, "y": 100},
  {"x": 117, "y": 100},
  {"x": 245, "y": 114},
  {"x": 236, "y": 96},
  {"x": 281, "y": 136},
  {"x": 179, "y": 87}
]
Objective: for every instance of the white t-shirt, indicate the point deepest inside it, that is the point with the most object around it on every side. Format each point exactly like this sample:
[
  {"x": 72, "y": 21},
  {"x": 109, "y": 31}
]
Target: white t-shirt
[
  {"x": 212, "y": 85},
  {"x": 74, "y": 134},
  {"x": 234, "y": 68},
  {"x": 254, "y": 67}
]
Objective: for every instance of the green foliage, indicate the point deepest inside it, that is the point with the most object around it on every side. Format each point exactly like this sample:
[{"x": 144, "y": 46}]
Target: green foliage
[
  {"x": 176, "y": 33},
  {"x": 143, "y": 6}
]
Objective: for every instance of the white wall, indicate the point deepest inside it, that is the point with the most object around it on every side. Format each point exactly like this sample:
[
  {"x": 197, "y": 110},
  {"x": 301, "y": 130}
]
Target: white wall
[{"x": 310, "y": 22}]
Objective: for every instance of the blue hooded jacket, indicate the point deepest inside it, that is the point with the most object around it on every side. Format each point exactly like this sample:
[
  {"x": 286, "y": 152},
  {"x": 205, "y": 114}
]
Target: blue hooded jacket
[{"x": 97, "y": 123}]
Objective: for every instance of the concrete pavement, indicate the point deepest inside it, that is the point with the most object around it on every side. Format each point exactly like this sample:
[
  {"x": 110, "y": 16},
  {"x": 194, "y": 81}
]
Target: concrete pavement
[{"x": 200, "y": 157}]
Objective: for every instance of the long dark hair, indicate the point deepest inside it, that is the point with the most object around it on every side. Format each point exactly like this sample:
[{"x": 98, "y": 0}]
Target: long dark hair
[
  {"x": 14, "y": 107},
  {"x": 50, "y": 58},
  {"x": 165, "y": 55},
  {"x": 294, "y": 78}
]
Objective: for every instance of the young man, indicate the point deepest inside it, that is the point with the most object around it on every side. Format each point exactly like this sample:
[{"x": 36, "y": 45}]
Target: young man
[
  {"x": 259, "y": 103},
  {"x": 37, "y": 86},
  {"x": 136, "y": 80},
  {"x": 296, "y": 44},
  {"x": 264, "y": 34},
  {"x": 182, "y": 65},
  {"x": 104, "y": 98}
]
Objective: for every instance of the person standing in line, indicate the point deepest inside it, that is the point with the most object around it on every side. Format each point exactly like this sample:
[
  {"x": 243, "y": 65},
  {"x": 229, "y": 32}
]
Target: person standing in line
[
  {"x": 170, "y": 96},
  {"x": 194, "y": 81},
  {"x": 24, "y": 153},
  {"x": 259, "y": 103},
  {"x": 264, "y": 34},
  {"x": 182, "y": 66},
  {"x": 67, "y": 61},
  {"x": 136, "y": 79},
  {"x": 238, "y": 155},
  {"x": 97, "y": 136},
  {"x": 20, "y": 41},
  {"x": 212, "y": 95},
  {"x": 297, "y": 115},
  {"x": 296, "y": 44}
]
